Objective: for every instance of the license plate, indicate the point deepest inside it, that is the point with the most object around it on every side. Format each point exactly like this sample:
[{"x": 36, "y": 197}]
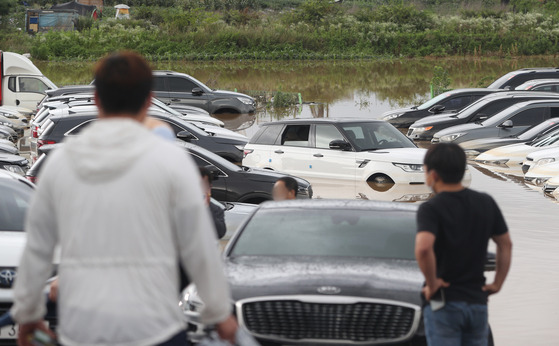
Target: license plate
[{"x": 9, "y": 332}]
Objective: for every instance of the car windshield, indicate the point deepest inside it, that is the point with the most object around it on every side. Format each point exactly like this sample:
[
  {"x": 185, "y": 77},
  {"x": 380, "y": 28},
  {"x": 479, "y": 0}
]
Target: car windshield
[
  {"x": 501, "y": 81},
  {"x": 435, "y": 100},
  {"x": 375, "y": 135},
  {"x": 214, "y": 159},
  {"x": 14, "y": 201},
  {"x": 328, "y": 233},
  {"x": 552, "y": 138},
  {"x": 542, "y": 128},
  {"x": 164, "y": 107}
]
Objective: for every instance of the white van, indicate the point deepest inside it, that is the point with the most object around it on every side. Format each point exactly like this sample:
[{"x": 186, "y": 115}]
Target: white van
[{"x": 23, "y": 85}]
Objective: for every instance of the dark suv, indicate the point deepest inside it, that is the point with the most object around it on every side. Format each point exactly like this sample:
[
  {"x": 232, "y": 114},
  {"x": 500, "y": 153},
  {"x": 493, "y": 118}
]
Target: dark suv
[
  {"x": 513, "y": 79},
  {"x": 180, "y": 88},
  {"x": 483, "y": 109},
  {"x": 227, "y": 146}
]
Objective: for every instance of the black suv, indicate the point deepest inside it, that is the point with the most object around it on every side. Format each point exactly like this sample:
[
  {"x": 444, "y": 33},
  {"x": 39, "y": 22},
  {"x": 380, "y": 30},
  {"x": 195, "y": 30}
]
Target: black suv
[
  {"x": 481, "y": 110},
  {"x": 447, "y": 102},
  {"x": 179, "y": 88},
  {"x": 513, "y": 79},
  {"x": 227, "y": 146}
]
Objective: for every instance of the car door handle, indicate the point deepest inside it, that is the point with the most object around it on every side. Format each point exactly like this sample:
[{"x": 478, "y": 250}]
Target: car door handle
[
  {"x": 278, "y": 151},
  {"x": 318, "y": 155}
]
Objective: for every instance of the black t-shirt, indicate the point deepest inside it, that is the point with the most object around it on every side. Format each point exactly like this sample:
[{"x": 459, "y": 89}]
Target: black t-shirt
[{"x": 462, "y": 222}]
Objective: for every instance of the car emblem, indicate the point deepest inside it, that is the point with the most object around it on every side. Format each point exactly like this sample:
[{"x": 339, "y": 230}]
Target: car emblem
[
  {"x": 329, "y": 290},
  {"x": 7, "y": 277}
]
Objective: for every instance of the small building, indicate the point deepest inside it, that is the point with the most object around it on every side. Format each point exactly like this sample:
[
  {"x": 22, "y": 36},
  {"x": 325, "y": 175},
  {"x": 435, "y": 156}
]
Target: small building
[
  {"x": 45, "y": 20},
  {"x": 122, "y": 11},
  {"x": 83, "y": 10}
]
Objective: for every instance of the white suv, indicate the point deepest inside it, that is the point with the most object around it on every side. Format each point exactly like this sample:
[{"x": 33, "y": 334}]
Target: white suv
[{"x": 326, "y": 151}]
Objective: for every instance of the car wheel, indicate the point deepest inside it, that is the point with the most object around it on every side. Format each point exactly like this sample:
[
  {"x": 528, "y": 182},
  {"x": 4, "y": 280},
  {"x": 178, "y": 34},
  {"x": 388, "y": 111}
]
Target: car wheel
[{"x": 380, "y": 182}]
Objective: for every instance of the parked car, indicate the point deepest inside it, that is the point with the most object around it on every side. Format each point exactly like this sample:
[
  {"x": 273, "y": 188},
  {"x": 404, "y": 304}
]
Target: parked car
[
  {"x": 331, "y": 150},
  {"x": 321, "y": 272},
  {"x": 540, "y": 174},
  {"x": 8, "y": 133},
  {"x": 508, "y": 122},
  {"x": 237, "y": 183},
  {"x": 550, "y": 187},
  {"x": 475, "y": 147},
  {"x": 540, "y": 158},
  {"x": 179, "y": 88},
  {"x": 14, "y": 163},
  {"x": 223, "y": 142},
  {"x": 8, "y": 147},
  {"x": 513, "y": 155},
  {"x": 235, "y": 215},
  {"x": 479, "y": 111},
  {"x": 447, "y": 102},
  {"x": 515, "y": 78},
  {"x": 550, "y": 85}
]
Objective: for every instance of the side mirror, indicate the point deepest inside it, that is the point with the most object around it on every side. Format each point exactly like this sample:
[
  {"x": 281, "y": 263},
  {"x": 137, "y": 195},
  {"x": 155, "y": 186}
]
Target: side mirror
[
  {"x": 436, "y": 109},
  {"x": 197, "y": 91},
  {"x": 490, "y": 262},
  {"x": 340, "y": 144},
  {"x": 186, "y": 136},
  {"x": 508, "y": 87},
  {"x": 507, "y": 124}
]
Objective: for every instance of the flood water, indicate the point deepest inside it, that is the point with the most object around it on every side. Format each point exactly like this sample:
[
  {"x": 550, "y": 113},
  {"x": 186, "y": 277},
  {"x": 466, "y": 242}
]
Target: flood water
[{"x": 526, "y": 312}]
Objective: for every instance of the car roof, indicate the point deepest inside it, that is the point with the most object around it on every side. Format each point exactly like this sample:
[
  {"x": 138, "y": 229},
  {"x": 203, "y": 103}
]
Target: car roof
[
  {"x": 339, "y": 205},
  {"x": 532, "y": 102},
  {"x": 325, "y": 121},
  {"x": 541, "y": 81}
]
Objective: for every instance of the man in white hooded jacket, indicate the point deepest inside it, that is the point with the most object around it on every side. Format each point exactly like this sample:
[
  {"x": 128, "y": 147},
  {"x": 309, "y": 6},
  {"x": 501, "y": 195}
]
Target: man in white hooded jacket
[{"x": 125, "y": 207}]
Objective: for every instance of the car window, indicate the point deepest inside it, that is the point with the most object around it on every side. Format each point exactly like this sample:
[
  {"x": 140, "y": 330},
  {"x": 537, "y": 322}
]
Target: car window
[
  {"x": 178, "y": 84},
  {"x": 494, "y": 107},
  {"x": 201, "y": 162},
  {"x": 457, "y": 102},
  {"x": 79, "y": 128},
  {"x": 268, "y": 135},
  {"x": 296, "y": 135},
  {"x": 14, "y": 202},
  {"x": 324, "y": 134},
  {"x": 530, "y": 116},
  {"x": 159, "y": 84},
  {"x": 30, "y": 84},
  {"x": 12, "y": 84},
  {"x": 375, "y": 135},
  {"x": 175, "y": 127},
  {"x": 434, "y": 101},
  {"x": 328, "y": 233},
  {"x": 551, "y": 88}
]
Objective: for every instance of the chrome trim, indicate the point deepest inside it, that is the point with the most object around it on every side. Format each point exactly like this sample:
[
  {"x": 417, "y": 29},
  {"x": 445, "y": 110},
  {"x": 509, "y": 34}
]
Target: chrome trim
[{"x": 320, "y": 299}]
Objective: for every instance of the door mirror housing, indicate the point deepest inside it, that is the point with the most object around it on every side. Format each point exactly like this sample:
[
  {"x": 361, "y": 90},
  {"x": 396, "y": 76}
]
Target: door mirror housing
[
  {"x": 340, "y": 144},
  {"x": 185, "y": 135},
  {"x": 436, "y": 109},
  {"x": 197, "y": 91},
  {"x": 507, "y": 124}
]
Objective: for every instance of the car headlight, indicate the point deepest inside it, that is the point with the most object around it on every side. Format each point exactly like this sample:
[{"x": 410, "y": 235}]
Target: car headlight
[
  {"x": 245, "y": 100},
  {"x": 9, "y": 115},
  {"x": 5, "y": 123},
  {"x": 240, "y": 147},
  {"x": 190, "y": 301},
  {"x": 545, "y": 161},
  {"x": 421, "y": 129},
  {"x": 451, "y": 137},
  {"x": 409, "y": 167},
  {"x": 392, "y": 116},
  {"x": 14, "y": 169},
  {"x": 472, "y": 153}
]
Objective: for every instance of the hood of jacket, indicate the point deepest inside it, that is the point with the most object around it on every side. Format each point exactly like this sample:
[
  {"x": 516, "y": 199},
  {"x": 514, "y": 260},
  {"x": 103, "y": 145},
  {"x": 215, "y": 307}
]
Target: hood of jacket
[{"x": 108, "y": 148}]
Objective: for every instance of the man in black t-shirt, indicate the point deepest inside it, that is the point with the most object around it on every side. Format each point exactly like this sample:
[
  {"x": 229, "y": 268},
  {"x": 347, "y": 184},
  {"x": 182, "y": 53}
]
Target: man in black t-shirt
[{"x": 453, "y": 231}]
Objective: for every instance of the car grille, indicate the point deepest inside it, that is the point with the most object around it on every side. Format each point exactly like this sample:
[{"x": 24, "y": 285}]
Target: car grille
[
  {"x": 360, "y": 321},
  {"x": 549, "y": 188},
  {"x": 410, "y": 131},
  {"x": 525, "y": 168}
]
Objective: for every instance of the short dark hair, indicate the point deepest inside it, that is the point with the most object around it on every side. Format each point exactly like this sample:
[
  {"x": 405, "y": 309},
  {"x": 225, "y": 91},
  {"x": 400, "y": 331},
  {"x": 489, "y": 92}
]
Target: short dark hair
[
  {"x": 448, "y": 160},
  {"x": 290, "y": 184},
  {"x": 205, "y": 173},
  {"x": 123, "y": 82}
]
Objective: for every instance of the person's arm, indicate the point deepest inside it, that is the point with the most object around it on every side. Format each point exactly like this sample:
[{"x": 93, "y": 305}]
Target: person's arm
[
  {"x": 504, "y": 258},
  {"x": 425, "y": 256},
  {"x": 36, "y": 261},
  {"x": 198, "y": 250}
]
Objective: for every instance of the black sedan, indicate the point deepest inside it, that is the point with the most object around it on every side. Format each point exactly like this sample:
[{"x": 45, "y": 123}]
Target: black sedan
[
  {"x": 447, "y": 102},
  {"x": 323, "y": 272},
  {"x": 477, "y": 146},
  {"x": 240, "y": 184}
]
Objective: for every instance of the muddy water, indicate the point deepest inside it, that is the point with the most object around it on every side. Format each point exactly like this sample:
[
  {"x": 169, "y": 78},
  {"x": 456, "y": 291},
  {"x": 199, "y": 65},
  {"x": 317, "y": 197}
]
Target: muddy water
[{"x": 526, "y": 312}]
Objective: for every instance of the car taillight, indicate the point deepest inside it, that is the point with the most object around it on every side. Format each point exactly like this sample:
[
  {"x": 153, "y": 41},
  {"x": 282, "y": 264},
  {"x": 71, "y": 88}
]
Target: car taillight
[
  {"x": 247, "y": 151},
  {"x": 35, "y": 132},
  {"x": 42, "y": 142},
  {"x": 31, "y": 178}
]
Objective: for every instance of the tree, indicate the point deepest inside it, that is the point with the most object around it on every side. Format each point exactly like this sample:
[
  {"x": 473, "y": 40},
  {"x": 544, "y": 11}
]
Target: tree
[{"x": 7, "y": 6}]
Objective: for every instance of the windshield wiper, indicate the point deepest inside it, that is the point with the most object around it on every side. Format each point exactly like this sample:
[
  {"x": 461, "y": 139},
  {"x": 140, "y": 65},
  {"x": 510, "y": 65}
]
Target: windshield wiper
[{"x": 414, "y": 107}]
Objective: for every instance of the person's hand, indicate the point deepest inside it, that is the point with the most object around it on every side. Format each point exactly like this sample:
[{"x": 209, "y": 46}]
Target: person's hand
[
  {"x": 428, "y": 292},
  {"x": 227, "y": 330},
  {"x": 491, "y": 288},
  {"x": 26, "y": 331},
  {"x": 53, "y": 292}
]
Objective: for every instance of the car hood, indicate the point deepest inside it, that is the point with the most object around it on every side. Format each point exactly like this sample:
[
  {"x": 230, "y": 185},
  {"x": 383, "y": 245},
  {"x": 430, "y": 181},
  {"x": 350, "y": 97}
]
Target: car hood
[
  {"x": 11, "y": 248},
  {"x": 397, "y": 155},
  {"x": 544, "y": 153},
  {"x": 398, "y": 111},
  {"x": 230, "y": 94},
  {"x": 189, "y": 110},
  {"x": 256, "y": 276},
  {"x": 445, "y": 118},
  {"x": 490, "y": 143},
  {"x": 458, "y": 129},
  {"x": 514, "y": 152}
]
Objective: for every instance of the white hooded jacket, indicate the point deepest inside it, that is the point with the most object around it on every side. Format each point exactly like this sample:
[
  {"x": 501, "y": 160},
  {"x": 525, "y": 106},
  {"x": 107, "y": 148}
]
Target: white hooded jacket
[{"x": 124, "y": 205}]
